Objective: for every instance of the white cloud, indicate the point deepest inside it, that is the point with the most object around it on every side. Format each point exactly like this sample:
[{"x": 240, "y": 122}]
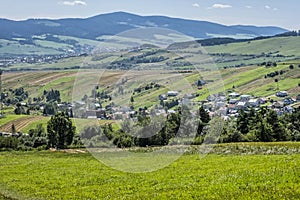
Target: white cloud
[
  {"x": 196, "y": 5},
  {"x": 73, "y": 3},
  {"x": 267, "y": 7},
  {"x": 270, "y": 8},
  {"x": 221, "y": 6},
  {"x": 249, "y": 7}
]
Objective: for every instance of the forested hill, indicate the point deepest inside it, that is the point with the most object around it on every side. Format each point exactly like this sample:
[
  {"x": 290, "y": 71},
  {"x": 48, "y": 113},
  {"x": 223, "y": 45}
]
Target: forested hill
[{"x": 115, "y": 23}]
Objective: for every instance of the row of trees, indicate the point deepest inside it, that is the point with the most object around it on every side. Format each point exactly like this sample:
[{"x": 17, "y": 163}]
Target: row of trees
[
  {"x": 252, "y": 126},
  {"x": 263, "y": 125}
]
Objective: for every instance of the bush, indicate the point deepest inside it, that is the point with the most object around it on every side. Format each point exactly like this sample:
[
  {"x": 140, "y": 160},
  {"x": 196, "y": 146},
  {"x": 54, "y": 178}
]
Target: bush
[{"x": 9, "y": 143}]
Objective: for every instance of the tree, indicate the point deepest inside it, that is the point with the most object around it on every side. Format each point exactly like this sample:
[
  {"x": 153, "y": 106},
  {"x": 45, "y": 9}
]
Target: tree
[
  {"x": 242, "y": 122},
  {"x": 276, "y": 81},
  {"x": 204, "y": 116},
  {"x": 50, "y": 109},
  {"x": 60, "y": 131},
  {"x": 19, "y": 110},
  {"x": 52, "y": 95},
  {"x": 131, "y": 99},
  {"x": 278, "y": 129},
  {"x": 264, "y": 131},
  {"x": 13, "y": 128},
  {"x": 204, "y": 119},
  {"x": 291, "y": 66}
]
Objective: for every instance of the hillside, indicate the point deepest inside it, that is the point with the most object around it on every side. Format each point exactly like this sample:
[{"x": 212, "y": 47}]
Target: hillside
[
  {"x": 77, "y": 36},
  {"x": 114, "y": 23},
  {"x": 187, "y": 55},
  {"x": 243, "y": 67}
]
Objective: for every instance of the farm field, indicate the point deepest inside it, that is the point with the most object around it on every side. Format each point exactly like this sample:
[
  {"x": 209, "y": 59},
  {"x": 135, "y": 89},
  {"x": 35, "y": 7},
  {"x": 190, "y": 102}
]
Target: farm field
[
  {"x": 21, "y": 123},
  {"x": 247, "y": 80},
  {"x": 286, "y": 46},
  {"x": 24, "y": 123},
  {"x": 36, "y": 82},
  {"x": 234, "y": 175}
]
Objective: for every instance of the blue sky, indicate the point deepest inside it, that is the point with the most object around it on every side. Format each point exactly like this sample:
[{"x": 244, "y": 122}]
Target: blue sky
[{"x": 255, "y": 12}]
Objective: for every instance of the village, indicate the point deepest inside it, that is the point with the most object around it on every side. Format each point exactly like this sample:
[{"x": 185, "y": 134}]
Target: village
[{"x": 225, "y": 106}]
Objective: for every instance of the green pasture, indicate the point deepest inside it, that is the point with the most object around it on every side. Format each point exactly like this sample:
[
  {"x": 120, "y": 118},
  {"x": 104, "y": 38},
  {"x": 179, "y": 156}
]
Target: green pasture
[{"x": 61, "y": 175}]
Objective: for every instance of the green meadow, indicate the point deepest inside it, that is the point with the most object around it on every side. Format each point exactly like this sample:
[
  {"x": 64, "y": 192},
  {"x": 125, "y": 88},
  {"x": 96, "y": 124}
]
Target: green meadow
[{"x": 267, "y": 171}]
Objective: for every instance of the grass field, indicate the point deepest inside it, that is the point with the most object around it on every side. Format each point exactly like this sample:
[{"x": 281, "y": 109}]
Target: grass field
[
  {"x": 61, "y": 175},
  {"x": 285, "y": 46}
]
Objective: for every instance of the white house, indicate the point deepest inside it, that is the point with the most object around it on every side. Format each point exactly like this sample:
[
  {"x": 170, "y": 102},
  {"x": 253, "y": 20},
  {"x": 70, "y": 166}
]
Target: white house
[
  {"x": 242, "y": 105},
  {"x": 173, "y": 93},
  {"x": 282, "y": 94},
  {"x": 233, "y": 101},
  {"x": 253, "y": 102},
  {"x": 234, "y": 95}
]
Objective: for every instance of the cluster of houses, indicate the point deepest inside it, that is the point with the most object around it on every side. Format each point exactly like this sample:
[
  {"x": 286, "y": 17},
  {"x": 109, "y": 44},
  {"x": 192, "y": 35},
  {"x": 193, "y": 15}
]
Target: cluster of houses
[
  {"x": 35, "y": 59},
  {"x": 218, "y": 104},
  {"x": 229, "y": 106}
]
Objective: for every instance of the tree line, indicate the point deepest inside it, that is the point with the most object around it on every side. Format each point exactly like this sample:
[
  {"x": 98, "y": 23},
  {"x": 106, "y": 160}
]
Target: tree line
[
  {"x": 263, "y": 125},
  {"x": 252, "y": 126}
]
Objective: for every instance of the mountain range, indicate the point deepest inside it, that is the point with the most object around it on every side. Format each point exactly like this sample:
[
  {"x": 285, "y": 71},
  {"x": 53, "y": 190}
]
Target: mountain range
[{"x": 117, "y": 22}]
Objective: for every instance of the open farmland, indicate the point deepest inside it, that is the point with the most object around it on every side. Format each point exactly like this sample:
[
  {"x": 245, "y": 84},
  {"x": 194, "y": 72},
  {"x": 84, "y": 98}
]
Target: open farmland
[
  {"x": 247, "y": 80},
  {"x": 21, "y": 123},
  {"x": 36, "y": 82}
]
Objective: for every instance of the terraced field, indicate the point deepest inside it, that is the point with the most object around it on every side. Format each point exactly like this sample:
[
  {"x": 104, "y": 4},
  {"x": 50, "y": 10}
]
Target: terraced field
[{"x": 20, "y": 123}]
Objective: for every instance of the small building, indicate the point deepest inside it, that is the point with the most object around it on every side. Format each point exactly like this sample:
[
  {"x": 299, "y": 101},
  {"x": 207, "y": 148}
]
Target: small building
[
  {"x": 200, "y": 83},
  {"x": 242, "y": 105},
  {"x": 282, "y": 94},
  {"x": 171, "y": 112},
  {"x": 91, "y": 114},
  {"x": 245, "y": 98},
  {"x": 222, "y": 98},
  {"x": 97, "y": 105},
  {"x": 253, "y": 103},
  {"x": 207, "y": 106},
  {"x": 262, "y": 100},
  {"x": 232, "y": 108},
  {"x": 288, "y": 109},
  {"x": 173, "y": 93},
  {"x": 162, "y": 97},
  {"x": 234, "y": 95},
  {"x": 278, "y": 104},
  {"x": 220, "y": 104},
  {"x": 289, "y": 101},
  {"x": 222, "y": 111},
  {"x": 23, "y": 104},
  {"x": 233, "y": 101},
  {"x": 211, "y": 97}
]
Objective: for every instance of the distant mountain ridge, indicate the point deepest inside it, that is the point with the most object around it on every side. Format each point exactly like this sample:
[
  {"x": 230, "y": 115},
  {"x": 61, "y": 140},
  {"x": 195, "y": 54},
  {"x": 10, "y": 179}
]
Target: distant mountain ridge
[{"x": 115, "y": 23}]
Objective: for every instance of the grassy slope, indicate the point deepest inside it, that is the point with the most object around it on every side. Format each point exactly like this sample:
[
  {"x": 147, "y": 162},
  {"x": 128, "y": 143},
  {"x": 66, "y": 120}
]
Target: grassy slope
[
  {"x": 250, "y": 80},
  {"x": 285, "y": 46},
  {"x": 36, "y": 82},
  {"x": 48, "y": 175},
  {"x": 13, "y": 47}
]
